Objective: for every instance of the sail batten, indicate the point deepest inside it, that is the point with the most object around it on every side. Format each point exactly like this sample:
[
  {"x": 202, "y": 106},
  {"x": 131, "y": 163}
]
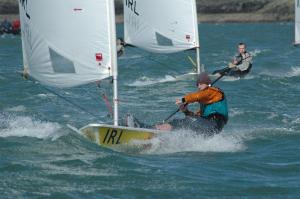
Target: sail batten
[
  {"x": 65, "y": 43},
  {"x": 161, "y": 26}
]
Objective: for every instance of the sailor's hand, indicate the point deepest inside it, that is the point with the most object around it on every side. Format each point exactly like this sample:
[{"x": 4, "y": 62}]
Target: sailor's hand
[
  {"x": 231, "y": 65},
  {"x": 183, "y": 108},
  {"x": 178, "y": 102}
]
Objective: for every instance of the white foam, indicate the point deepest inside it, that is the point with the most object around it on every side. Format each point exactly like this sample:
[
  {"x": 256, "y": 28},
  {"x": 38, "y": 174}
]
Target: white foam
[
  {"x": 125, "y": 57},
  {"x": 272, "y": 115},
  {"x": 47, "y": 95},
  {"x": 256, "y": 52},
  {"x": 66, "y": 116},
  {"x": 229, "y": 141},
  {"x": 188, "y": 141},
  {"x": 294, "y": 72},
  {"x": 230, "y": 78},
  {"x": 145, "y": 81},
  {"x": 296, "y": 121},
  {"x": 26, "y": 127},
  {"x": 19, "y": 108},
  {"x": 236, "y": 112}
]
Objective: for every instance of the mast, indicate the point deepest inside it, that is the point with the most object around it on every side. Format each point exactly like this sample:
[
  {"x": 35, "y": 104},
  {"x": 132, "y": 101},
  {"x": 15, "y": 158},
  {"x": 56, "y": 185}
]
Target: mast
[
  {"x": 114, "y": 59},
  {"x": 198, "y": 61},
  {"x": 199, "y": 69},
  {"x": 297, "y": 21}
]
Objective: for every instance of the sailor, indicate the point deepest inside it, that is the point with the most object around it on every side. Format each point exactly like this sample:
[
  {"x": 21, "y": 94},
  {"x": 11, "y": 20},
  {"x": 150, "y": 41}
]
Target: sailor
[
  {"x": 16, "y": 27},
  {"x": 120, "y": 47},
  {"x": 213, "y": 113},
  {"x": 241, "y": 63},
  {"x": 5, "y": 26}
]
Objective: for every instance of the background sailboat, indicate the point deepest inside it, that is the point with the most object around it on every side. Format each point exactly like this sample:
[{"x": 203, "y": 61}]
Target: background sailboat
[{"x": 167, "y": 26}]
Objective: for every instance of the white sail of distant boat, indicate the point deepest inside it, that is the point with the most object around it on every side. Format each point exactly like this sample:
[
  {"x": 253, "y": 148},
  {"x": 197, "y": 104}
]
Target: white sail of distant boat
[
  {"x": 297, "y": 22},
  {"x": 158, "y": 26},
  {"x": 71, "y": 43}
]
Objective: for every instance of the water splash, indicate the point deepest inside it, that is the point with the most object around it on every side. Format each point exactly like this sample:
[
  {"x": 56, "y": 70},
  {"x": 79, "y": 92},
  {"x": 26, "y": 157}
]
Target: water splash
[
  {"x": 186, "y": 141},
  {"x": 20, "y": 126},
  {"x": 257, "y": 52},
  {"x": 146, "y": 81},
  {"x": 229, "y": 141},
  {"x": 294, "y": 72},
  {"x": 128, "y": 57},
  {"x": 19, "y": 108},
  {"x": 47, "y": 95}
]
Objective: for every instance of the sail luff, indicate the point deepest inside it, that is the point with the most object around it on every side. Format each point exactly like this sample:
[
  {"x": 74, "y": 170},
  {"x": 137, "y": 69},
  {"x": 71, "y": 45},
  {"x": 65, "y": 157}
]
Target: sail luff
[
  {"x": 25, "y": 61},
  {"x": 198, "y": 59}
]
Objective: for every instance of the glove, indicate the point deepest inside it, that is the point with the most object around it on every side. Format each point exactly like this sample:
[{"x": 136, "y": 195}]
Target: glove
[
  {"x": 183, "y": 107},
  {"x": 231, "y": 65}
]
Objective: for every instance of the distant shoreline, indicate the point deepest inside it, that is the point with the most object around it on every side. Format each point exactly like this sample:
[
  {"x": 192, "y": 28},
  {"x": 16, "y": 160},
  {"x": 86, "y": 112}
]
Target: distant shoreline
[{"x": 211, "y": 18}]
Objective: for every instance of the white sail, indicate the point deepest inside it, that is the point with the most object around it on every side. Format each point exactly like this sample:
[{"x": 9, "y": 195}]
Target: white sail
[
  {"x": 161, "y": 26},
  {"x": 297, "y": 21},
  {"x": 66, "y": 43}
]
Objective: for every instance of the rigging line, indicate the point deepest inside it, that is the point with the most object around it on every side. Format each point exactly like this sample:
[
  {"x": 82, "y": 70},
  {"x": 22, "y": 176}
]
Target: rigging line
[
  {"x": 105, "y": 98},
  {"x": 69, "y": 101},
  {"x": 62, "y": 97}
]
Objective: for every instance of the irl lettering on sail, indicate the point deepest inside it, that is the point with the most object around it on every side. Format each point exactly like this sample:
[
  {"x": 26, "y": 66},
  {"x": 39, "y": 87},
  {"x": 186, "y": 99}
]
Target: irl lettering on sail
[
  {"x": 24, "y": 5},
  {"x": 132, "y": 5}
]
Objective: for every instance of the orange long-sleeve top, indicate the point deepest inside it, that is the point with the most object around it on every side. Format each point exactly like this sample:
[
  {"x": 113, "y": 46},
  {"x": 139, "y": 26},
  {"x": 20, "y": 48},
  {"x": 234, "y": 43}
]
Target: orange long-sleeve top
[{"x": 207, "y": 96}]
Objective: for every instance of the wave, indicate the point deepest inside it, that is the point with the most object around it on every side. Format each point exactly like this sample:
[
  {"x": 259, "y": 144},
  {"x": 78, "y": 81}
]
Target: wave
[
  {"x": 236, "y": 112},
  {"x": 186, "y": 141},
  {"x": 296, "y": 121},
  {"x": 229, "y": 141},
  {"x": 126, "y": 57},
  {"x": 294, "y": 72},
  {"x": 233, "y": 79},
  {"x": 257, "y": 52},
  {"x": 20, "y": 126},
  {"x": 146, "y": 81},
  {"x": 47, "y": 95},
  {"x": 19, "y": 108}
]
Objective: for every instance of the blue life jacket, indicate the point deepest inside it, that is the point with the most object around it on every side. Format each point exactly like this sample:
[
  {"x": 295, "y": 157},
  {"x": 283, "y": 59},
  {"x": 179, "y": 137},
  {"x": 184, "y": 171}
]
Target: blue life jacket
[{"x": 219, "y": 107}]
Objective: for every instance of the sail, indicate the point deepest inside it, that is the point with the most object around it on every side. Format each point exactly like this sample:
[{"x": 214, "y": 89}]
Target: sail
[
  {"x": 67, "y": 43},
  {"x": 161, "y": 26},
  {"x": 297, "y": 21}
]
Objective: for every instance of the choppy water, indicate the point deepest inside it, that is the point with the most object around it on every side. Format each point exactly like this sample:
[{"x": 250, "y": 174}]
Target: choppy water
[{"x": 256, "y": 156}]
